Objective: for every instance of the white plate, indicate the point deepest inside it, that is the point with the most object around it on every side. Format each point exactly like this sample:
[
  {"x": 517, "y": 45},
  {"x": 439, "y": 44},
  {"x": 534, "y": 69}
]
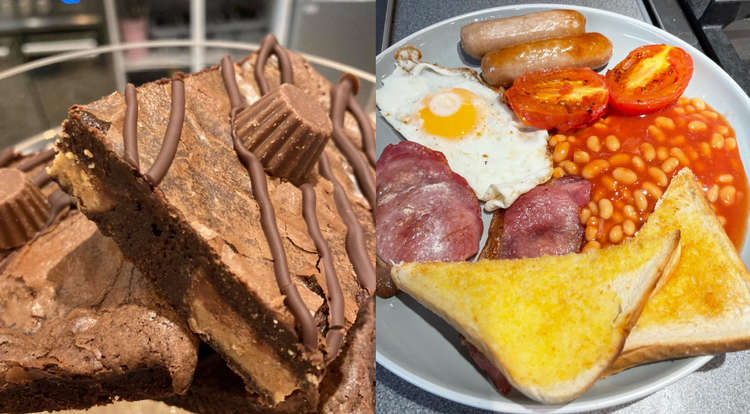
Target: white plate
[{"x": 422, "y": 349}]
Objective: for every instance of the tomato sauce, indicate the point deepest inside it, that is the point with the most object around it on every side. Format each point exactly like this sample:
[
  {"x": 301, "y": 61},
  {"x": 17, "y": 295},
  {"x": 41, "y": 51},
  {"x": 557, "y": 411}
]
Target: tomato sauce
[{"x": 631, "y": 159}]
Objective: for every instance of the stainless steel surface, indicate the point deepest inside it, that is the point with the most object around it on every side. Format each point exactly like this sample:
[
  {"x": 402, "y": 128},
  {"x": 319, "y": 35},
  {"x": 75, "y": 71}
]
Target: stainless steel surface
[{"x": 720, "y": 386}]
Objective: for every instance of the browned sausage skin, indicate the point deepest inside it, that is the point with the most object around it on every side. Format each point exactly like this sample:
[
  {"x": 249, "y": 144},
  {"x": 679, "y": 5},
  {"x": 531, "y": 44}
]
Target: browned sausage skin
[
  {"x": 589, "y": 50},
  {"x": 479, "y": 38}
]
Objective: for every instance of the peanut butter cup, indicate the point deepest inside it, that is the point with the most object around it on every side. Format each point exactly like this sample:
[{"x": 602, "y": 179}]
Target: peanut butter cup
[
  {"x": 287, "y": 130},
  {"x": 23, "y": 209}
]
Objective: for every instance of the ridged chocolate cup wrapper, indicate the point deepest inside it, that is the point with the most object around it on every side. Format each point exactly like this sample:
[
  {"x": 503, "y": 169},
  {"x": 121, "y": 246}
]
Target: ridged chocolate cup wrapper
[
  {"x": 287, "y": 130},
  {"x": 23, "y": 209}
]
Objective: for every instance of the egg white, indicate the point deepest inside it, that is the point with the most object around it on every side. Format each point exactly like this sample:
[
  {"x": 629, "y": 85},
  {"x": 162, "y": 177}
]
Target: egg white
[{"x": 500, "y": 158}]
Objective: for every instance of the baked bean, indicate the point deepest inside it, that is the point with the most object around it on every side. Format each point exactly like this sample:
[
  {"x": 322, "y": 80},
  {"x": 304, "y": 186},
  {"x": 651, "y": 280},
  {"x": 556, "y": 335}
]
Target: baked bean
[
  {"x": 609, "y": 182},
  {"x": 558, "y": 172},
  {"x": 593, "y": 221},
  {"x": 678, "y": 110},
  {"x": 680, "y": 155},
  {"x": 594, "y": 208},
  {"x": 599, "y": 193},
  {"x": 571, "y": 139},
  {"x": 698, "y": 103},
  {"x": 615, "y": 234},
  {"x": 555, "y": 139},
  {"x": 730, "y": 144},
  {"x": 689, "y": 109},
  {"x": 594, "y": 168},
  {"x": 612, "y": 143},
  {"x": 628, "y": 227},
  {"x": 692, "y": 153},
  {"x": 617, "y": 217},
  {"x": 624, "y": 175},
  {"x": 638, "y": 163},
  {"x": 630, "y": 212},
  {"x": 591, "y": 232},
  {"x": 670, "y": 164},
  {"x": 561, "y": 151},
  {"x": 697, "y": 126},
  {"x": 656, "y": 133},
  {"x": 664, "y": 122},
  {"x": 584, "y": 215},
  {"x": 592, "y": 245},
  {"x": 570, "y": 167},
  {"x": 593, "y": 144},
  {"x": 710, "y": 114},
  {"x": 683, "y": 100},
  {"x": 605, "y": 208},
  {"x": 678, "y": 140},
  {"x": 640, "y": 200},
  {"x": 652, "y": 189},
  {"x": 717, "y": 141},
  {"x": 713, "y": 193},
  {"x": 600, "y": 125},
  {"x": 659, "y": 176},
  {"x": 722, "y": 129},
  {"x": 725, "y": 178},
  {"x": 619, "y": 159},
  {"x": 648, "y": 151},
  {"x": 722, "y": 220},
  {"x": 727, "y": 195},
  {"x": 662, "y": 153},
  {"x": 700, "y": 117},
  {"x": 581, "y": 157},
  {"x": 705, "y": 149}
]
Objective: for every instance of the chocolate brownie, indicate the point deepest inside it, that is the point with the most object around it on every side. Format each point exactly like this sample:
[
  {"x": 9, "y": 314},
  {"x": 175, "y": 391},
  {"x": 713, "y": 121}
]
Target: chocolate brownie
[
  {"x": 79, "y": 325},
  {"x": 346, "y": 388},
  {"x": 270, "y": 294}
]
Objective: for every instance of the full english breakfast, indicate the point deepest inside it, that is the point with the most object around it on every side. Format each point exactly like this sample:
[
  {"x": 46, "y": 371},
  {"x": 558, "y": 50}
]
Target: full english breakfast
[{"x": 596, "y": 258}]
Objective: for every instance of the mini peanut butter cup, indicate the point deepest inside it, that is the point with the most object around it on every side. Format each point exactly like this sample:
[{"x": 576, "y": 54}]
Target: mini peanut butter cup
[
  {"x": 23, "y": 209},
  {"x": 287, "y": 130}
]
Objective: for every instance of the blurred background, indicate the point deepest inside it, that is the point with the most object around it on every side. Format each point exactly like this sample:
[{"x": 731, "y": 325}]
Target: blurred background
[{"x": 35, "y": 102}]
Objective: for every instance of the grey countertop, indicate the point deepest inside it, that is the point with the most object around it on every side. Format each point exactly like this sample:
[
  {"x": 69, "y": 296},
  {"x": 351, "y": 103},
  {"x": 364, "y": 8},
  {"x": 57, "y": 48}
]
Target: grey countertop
[{"x": 721, "y": 386}]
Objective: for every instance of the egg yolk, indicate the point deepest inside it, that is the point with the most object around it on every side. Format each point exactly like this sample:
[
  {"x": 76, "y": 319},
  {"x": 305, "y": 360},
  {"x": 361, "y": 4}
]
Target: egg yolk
[{"x": 449, "y": 113}]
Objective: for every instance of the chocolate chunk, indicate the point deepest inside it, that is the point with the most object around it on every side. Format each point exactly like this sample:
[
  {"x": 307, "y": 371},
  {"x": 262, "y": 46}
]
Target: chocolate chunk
[
  {"x": 287, "y": 130},
  {"x": 23, "y": 209}
]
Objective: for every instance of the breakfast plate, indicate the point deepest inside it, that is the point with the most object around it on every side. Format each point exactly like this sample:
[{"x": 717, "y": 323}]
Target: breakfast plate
[{"x": 420, "y": 347}]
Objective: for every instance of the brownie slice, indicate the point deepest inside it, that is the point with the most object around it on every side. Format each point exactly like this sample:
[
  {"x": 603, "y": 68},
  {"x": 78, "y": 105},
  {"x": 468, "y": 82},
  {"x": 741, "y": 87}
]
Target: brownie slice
[
  {"x": 348, "y": 387},
  {"x": 198, "y": 235},
  {"x": 80, "y": 326}
]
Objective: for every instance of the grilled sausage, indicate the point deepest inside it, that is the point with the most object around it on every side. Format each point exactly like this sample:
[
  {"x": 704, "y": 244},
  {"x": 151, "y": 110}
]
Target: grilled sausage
[
  {"x": 479, "y": 38},
  {"x": 589, "y": 50}
]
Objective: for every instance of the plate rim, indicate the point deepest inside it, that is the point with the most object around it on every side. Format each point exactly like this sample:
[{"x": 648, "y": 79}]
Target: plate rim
[{"x": 691, "y": 364}]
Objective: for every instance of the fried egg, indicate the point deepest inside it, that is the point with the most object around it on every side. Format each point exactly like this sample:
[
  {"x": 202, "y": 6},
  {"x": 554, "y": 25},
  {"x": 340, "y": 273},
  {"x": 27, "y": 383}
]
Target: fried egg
[{"x": 451, "y": 111}]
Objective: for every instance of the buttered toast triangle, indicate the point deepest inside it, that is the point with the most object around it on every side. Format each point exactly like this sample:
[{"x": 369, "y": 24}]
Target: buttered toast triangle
[
  {"x": 552, "y": 324},
  {"x": 704, "y": 306}
]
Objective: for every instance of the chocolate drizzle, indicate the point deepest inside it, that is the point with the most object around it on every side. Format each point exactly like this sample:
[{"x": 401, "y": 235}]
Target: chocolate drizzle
[
  {"x": 365, "y": 128},
  {"x": 268, "y": 218},
  {"x": 172, "y": 137},
  {"x": 269, "y": 46},
  {"x": 7, "y": 155},
  {"x": 41, "y": 179},
  {"x": 356, "y": 247},
  {"x": 335, "y": 335},
  {"x": 129, "y": 128},
  {"x": 340, "y": 96},
  {"x": 58, "y": 201},
  {"x": 168, "y": 148},
  {"x": 36, "y": 160}
]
